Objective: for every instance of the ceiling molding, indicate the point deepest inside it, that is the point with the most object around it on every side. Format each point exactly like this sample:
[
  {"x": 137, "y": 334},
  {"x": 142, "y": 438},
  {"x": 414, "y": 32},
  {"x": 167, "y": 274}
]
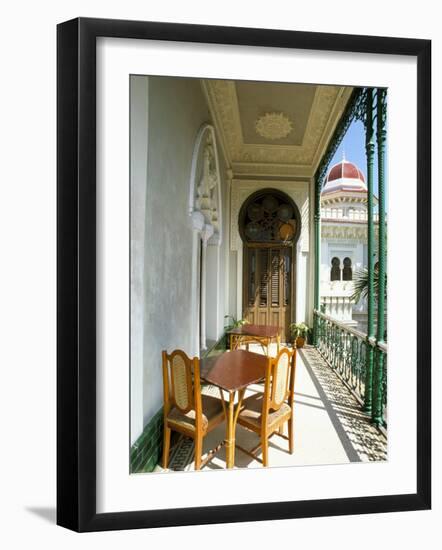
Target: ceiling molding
[
  {"x": 338, "y": 110},
  {"x": 270, "y": 159},
  {"x": 271, "y": 178},
  {"x": 216, "y": 123},
  {"x": 275, "y": 170}
]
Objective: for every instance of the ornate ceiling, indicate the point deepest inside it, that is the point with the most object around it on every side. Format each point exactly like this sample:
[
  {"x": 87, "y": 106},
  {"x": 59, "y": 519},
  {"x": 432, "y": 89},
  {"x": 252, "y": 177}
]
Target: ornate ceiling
[{"x": 274, "y": 129}]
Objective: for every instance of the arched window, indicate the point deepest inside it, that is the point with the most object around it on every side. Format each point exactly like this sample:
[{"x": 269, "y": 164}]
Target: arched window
[
  {"x": 347, "y": 272},
  {"x": 335, "y": 272},
  {"x": 269, "y": 216}
]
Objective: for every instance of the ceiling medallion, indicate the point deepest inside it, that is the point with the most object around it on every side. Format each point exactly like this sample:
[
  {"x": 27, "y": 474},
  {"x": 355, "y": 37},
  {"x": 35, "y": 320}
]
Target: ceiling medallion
[{"x": 273, "y": 126}]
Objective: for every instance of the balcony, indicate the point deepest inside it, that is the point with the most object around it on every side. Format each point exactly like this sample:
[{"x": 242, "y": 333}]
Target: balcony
[{"x": 330, "y": 425}]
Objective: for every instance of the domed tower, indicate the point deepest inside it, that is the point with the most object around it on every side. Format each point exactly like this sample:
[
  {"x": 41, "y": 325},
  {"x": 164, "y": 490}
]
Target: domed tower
[
  {"x": 345, "y": 184},
  {"x": 343, "y": 238}
]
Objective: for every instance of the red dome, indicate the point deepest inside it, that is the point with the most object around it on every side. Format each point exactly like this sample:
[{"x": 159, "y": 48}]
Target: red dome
[
  {"x": 346, "y": 170},
  {"x": 345, "y": 176}
]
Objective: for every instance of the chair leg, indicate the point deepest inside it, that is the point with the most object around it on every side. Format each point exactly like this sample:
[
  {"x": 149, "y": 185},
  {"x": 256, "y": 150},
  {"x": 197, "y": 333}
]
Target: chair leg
[
  {"x": 198, "y": 451},
  {"x": 291, "y": 442},
  {"x": 166, "y": 446},
  {"x": 265, "y": 450}
]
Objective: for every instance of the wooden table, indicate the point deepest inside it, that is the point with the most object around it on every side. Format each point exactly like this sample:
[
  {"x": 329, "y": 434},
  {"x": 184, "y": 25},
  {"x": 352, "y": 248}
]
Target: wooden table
[
  {"x": 232, "y": 372},
  {"x": 262, "y": 334}
]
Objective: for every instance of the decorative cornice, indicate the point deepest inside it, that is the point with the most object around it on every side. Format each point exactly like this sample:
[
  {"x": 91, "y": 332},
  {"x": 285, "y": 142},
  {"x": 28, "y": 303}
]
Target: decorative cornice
[
  {"x": 270, "y": 158},
  {"x": 355, "y": 232},
  {"x": 273, "y": 170}
]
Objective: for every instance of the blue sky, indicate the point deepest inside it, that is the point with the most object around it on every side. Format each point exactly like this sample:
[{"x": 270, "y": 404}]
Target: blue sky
[{"x": 353, "y": 144}]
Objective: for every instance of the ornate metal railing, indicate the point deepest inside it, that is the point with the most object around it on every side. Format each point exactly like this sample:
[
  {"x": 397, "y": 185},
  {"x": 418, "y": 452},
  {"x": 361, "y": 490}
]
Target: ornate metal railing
[
  {"x": 345, "y": 350},
  {"x": 381, "y": 393}
]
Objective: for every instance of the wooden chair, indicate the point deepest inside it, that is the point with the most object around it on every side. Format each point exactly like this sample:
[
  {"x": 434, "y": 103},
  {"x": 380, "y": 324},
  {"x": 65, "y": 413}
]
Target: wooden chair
[
  {"x": 186, "y": 410},
  {"x": 266, "y": 413}
]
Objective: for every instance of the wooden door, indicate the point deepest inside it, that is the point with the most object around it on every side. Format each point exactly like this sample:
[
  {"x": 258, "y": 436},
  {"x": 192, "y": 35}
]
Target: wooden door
[{"x": 268, "y": 286}]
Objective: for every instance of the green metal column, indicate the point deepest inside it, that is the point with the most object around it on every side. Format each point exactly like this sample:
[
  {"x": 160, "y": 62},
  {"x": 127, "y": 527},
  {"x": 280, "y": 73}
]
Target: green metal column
[
  {"x": 317, "y": 216},
  {"x": 381, "y": 112},
  {"x": 370, "y": 147}
]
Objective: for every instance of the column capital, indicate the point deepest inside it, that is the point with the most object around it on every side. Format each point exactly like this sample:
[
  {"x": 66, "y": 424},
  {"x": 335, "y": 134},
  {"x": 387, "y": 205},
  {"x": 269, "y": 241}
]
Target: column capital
[
  {"x": 206, "y": 233},
  {"x": 198, "y": 220}
]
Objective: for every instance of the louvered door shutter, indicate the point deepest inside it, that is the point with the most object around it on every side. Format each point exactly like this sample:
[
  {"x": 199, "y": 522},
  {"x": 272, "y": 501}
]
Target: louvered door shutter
[
  {"x": 275, "y": 282},
  {"x": 263, "y": 276}
]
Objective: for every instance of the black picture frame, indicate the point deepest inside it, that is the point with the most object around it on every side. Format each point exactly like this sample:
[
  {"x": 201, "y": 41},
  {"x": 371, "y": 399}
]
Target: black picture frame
[{"x": 76, "y": 273}]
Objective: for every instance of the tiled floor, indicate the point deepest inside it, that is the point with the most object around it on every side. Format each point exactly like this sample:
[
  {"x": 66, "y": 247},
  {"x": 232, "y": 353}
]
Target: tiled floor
[{"x": 329, "y": 427}]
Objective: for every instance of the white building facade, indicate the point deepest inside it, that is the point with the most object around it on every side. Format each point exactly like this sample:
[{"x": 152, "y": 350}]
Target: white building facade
[{"x": 343, "y": 241}]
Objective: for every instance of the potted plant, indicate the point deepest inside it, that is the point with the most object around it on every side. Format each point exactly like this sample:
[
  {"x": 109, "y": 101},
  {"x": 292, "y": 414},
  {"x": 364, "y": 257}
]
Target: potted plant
[
  {"x": 230, "y": 323},
  {"x": 299, "y": 333}
]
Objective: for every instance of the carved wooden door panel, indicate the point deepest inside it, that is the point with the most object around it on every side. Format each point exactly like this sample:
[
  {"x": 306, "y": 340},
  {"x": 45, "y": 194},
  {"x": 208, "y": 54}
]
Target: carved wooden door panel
[{"x": 267, "y": 288}]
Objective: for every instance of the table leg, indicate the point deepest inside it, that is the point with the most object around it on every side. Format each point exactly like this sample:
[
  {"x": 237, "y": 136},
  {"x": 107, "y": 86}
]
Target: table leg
[
  {"x": 232, "y": 416},
  {"x": 230, "y": 438},
  {"x": 235, "y": 341}
]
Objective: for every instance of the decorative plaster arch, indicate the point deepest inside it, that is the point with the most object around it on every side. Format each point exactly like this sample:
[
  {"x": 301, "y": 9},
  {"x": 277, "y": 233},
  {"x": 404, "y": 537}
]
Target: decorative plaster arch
[
  {"x": 205, "y": 211},
  {"x": 205, "y": 187}
]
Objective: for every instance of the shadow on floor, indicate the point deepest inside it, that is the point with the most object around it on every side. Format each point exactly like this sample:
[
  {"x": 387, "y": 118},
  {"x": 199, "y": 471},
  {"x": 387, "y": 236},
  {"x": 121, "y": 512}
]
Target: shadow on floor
[{"x": 360, "y": 440}]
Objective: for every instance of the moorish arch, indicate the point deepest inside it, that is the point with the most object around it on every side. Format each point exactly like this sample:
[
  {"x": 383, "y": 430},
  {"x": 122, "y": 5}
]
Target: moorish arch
[
  {"x": 269, "y": 224},
  {"x": 206, "y": 219}
]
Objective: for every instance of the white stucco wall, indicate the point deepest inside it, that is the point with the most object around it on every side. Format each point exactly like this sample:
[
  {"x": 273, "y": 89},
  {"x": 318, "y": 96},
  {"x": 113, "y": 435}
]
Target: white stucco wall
[
  {"x": 177, "y": 110},
  {"x": 162, "y": 234},
  {"x": 138, "y": 177}
]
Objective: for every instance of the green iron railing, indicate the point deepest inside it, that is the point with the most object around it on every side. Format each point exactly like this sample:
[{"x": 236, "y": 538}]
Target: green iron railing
[
  {"x": 345, "y": 350},
  {"x": 379, "y": 415}
]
